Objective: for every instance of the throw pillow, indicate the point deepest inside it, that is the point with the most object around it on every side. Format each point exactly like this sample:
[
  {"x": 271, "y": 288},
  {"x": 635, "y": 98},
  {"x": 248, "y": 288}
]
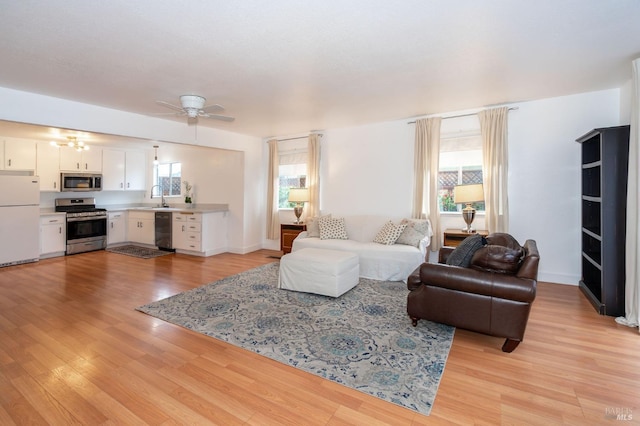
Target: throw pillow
[
  {"x": 498, "y": 259},
  {"x": 332, "y": 228},
  {"x": 313, "y": 226},
  {"x": 389, "y": 233},
  {"x": 415, "y": 231},
  {"x": 461, "y": 255}
]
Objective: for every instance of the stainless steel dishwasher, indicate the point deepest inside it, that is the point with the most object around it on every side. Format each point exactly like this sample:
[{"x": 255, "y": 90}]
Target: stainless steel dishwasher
[{"x": 163, "y": 230}]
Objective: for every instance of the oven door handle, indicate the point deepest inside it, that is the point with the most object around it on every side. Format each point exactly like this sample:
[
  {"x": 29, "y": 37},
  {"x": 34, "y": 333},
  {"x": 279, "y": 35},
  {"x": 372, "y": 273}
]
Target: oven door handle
[{"x": 85, "y": 218}]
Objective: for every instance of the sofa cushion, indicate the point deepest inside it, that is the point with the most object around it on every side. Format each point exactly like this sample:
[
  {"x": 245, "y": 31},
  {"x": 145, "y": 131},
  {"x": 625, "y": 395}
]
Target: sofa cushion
[
  {"x": 463, "y": 254},
  {"x": 332, "y": 228},
  {"x": 389, "y": 233},
  {"x": 313, "y": 226},
  {"x": 498, "y": 259},
  {"x": 415, "y": 231}
]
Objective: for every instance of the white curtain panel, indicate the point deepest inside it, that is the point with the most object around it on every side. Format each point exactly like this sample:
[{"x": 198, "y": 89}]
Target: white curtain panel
[
  {"x": 313, "y": 176},
  {"x": 493, "y": 125},
  {"x": 632, "y": 284},
  {"x": 273, "y": 220},
  {"x": 425, "y": 167}
]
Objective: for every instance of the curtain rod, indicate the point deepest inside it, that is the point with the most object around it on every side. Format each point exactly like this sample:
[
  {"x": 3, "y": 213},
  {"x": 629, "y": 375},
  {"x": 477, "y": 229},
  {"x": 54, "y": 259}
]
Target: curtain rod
[
  {"x": 461, "y": 115},
  {"x": 291, "y": 139}
]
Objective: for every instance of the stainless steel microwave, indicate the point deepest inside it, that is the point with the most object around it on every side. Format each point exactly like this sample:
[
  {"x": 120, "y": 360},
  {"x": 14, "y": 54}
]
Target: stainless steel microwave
[{"x": 80, "y": 182}]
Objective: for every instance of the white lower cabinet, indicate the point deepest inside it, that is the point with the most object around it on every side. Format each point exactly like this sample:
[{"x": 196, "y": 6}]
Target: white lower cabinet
[
  {"x": 53, "y": 235},
  {"x": 141, "y": 227},
  {"x": 202, "y": 234},
  {"x": 116, "y": 227}
]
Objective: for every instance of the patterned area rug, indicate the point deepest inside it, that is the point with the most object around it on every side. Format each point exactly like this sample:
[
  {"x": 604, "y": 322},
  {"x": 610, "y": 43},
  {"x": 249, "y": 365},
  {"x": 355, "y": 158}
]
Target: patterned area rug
[
  {"x": 362, "y": 339},
  {"x": 137, "y": 251}
]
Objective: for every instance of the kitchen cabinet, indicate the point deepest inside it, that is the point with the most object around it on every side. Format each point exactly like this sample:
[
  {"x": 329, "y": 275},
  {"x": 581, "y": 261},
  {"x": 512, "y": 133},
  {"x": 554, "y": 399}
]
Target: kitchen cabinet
[
  {"x": 135, "y": 171},
  {"x": 141, "y": 227},
  {"x": 48, "y": 166},
  {"x": 53, "y": 235},
  {"x": 123, "y": 170},
  {"x": 89, "y": 161},
  {"x": 18, "y": 154},
  {"x": 116, "y": 227},
  {"x": 202, "y": 234}
]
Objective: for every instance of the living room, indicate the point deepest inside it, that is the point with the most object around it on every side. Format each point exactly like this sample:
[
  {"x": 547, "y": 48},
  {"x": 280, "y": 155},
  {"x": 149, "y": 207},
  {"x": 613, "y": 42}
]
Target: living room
[{"x": 366, "y": 168}]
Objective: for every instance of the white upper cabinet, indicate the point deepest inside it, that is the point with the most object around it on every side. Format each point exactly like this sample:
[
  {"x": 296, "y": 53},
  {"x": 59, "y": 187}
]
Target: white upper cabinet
[
  {"x": 47, "y": 166},
  {"x": 19, "y": 154},
  {"x": 135, "y": 170},
  {"x": 123, "y": 170},
  {"x": 89, "y": 161},
  {"x": 112, "y": 170}
]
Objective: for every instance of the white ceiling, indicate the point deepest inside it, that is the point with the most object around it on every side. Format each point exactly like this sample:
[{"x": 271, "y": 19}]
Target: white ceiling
[{"x": 284, "y": 67}]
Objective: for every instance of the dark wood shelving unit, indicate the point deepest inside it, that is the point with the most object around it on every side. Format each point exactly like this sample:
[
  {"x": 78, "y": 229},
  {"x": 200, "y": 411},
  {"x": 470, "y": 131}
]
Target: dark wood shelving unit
[{"x": 605, "y": 160}]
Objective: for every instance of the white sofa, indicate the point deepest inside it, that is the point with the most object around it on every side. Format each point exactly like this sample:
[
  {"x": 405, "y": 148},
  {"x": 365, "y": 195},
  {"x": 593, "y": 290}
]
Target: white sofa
[{"x": 393, "y": 262}]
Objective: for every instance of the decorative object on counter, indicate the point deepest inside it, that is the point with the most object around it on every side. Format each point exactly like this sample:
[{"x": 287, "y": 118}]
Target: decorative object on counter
[
  {"x": 361, "y": 339},
  {"x": 468, "y": 194},
  {"x": 298, "y": 196},
  {"x": 187, "y": 195},
  {"x": 137, "y": 251},
  {"x": 72, "y": 142}
]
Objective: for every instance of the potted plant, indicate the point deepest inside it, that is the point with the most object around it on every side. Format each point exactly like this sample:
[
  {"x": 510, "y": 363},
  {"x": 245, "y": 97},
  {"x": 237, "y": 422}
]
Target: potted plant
[{"x": 187, "y": 195}]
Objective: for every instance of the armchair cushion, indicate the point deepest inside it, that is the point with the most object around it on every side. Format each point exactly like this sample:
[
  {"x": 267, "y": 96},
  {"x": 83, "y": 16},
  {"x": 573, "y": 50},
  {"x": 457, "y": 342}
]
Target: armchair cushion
[
  {"x": 463, "y": 254},
  {"x": 498, "y": 259}
]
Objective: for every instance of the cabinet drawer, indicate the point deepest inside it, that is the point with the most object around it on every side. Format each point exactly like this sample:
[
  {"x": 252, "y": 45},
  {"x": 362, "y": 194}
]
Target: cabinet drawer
[
  {"x": 194, "y": 236},
  {"x": 193, "y": 227}
]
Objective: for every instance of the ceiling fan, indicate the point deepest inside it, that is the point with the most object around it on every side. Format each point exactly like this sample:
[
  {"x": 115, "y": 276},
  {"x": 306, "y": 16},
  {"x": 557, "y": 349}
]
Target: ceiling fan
[{"x": 193, "y": 107}]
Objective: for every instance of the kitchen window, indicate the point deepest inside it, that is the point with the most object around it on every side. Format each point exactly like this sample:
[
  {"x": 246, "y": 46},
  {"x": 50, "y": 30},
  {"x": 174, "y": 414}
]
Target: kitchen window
[{"x": 169, "y": 177}]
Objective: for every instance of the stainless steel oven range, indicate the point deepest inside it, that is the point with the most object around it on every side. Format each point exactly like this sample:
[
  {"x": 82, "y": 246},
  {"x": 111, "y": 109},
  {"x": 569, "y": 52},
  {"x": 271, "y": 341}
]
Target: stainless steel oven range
[{"x": 86, "y": 224}]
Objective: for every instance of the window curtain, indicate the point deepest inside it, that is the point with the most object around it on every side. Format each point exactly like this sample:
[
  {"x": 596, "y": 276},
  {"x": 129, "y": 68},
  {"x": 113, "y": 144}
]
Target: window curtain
[
  {"x": 632, "y": 261},
  {"x": 273, "y": 220},
  {"x": 425, "y": 167},
  {"x": 493, "y": 126},
  {"x": 313, "y": 176}
]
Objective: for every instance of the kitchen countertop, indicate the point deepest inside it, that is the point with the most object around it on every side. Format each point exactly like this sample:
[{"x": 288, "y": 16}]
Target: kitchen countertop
[{"x": 178, "y": 208}]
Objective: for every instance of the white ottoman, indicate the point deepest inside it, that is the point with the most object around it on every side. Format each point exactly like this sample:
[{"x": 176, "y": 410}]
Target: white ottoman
[{"x": 319, "y": 271}]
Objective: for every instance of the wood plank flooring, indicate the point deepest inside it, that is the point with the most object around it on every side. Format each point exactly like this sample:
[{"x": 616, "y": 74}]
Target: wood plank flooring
[{"x": 74, "y": 351}]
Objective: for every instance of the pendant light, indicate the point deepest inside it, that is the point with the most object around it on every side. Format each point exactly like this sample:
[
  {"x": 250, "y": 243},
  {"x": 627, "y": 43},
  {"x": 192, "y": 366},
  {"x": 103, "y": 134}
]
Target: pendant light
[{"x": 155, "y": 158}]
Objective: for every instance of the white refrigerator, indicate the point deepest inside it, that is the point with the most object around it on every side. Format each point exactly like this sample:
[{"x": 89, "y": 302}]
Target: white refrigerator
[{"x": 19, "y": 219}]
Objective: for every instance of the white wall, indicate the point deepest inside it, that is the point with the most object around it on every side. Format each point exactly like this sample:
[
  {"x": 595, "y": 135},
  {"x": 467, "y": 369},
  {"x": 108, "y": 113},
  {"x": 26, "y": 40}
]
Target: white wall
[
  {"x": 369, "y": 170},
  {"x": 544, "y": 175}
]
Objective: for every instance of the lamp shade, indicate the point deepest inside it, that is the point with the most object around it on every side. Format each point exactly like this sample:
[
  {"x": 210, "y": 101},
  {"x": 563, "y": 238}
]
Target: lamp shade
[
  {"x": 298, "y": 195},
  {"x": 468, "y": 193}
]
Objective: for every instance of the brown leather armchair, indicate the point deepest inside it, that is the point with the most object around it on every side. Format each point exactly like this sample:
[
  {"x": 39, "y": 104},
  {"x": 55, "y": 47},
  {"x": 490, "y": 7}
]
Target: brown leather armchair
[{"x": 487, "y": 301}]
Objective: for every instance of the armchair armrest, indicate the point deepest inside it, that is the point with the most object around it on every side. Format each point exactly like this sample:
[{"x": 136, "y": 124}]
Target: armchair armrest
[{"x": 469, "y": 280}]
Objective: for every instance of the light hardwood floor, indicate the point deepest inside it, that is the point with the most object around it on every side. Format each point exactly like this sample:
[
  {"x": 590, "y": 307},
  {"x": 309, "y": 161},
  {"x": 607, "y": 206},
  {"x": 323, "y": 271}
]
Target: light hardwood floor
[{"x": 74, "y": 351}]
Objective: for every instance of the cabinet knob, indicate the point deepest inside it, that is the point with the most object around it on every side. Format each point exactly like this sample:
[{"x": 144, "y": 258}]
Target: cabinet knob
[
  {"x": 121, "y": 185},
  {"x": 9, "y": 162},
  {"x": 78, "y": 166},
  {"x": 55, "y": 185}
]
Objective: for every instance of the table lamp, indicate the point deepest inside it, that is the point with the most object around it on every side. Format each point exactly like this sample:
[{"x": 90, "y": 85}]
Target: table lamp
[
  {"x": 468, "y": 194},
  {"x": 298, "y": 196}
]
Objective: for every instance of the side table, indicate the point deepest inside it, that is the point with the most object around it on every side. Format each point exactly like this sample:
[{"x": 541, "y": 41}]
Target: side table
[
  {"x": 288, "y": 233},
  {"x": 453, "y": 237}
]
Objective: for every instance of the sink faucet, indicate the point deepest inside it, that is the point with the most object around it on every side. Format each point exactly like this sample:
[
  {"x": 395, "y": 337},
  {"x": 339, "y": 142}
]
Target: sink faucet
[{"x": 163, "y": 203}]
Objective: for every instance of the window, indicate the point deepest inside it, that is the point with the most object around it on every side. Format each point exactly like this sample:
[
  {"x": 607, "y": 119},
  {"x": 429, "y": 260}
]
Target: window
[
  {"x": 292, "y": 169},
  {"x": 169, "y": 178},
  {"x": 460, "y": 164}
]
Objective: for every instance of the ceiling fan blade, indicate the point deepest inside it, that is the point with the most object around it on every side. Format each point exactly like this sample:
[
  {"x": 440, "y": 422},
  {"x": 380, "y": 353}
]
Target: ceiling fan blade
[
  {"x": 168, "y": 105},
  {"x": 216, "y": 107},
  {"x": 218, "y": 117}
]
